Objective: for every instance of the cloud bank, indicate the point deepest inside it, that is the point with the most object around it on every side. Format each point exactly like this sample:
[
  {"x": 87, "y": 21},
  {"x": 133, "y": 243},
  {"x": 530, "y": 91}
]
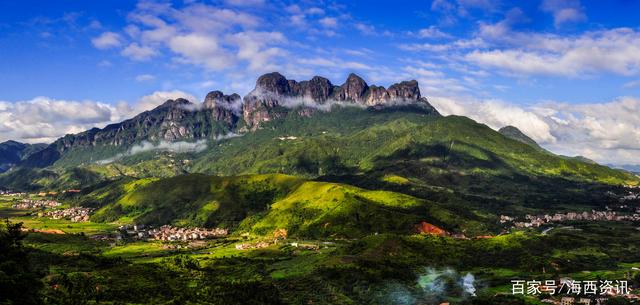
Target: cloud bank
[
  {"x": 44, "y": 119},
  {"x": 605, "y": 132},
  {"x": 177, "y": 147}
]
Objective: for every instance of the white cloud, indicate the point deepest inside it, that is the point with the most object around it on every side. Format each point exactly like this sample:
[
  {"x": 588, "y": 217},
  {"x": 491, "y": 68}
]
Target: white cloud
[
  {"x": 564, "y": 11},
  {"x": 107, "y": 40},
  {"x": 366, "y": 29},
  {"x": 315, "y": 11},
  {"x": 156, "y": 98},
  {"x": 614, "y": 51},
  {"x": 333, "y": 63},
  {"x": 363, "y": 52},
  {"x": 434, "y": 82},
  {"x": 252, "y": 47},
  {"x": 298, "y": 20},
  {"x": 209, "y": 36},
  {"x": 501, "y": 30},
  {"x": 631, "y": 84},
  {"x": 180, "y": 146},
  {"x": 329, "y": 22},
  {"x": 177, "y": 147},
  {"x": 144, "y": 146},
  {"x": 432, "y": 32},
  {"x": 105, "y": 64},
  {"x": 201, "y": 49},
  {"x": 44, "y": 119},
  {"x": 499, "y": 47},
  {"x": 497, "y": 114},
  {"x": 457, "y": 45},
  {"x": 245, "y": 2},
  {"x": 138, "y": 52},
  {"x": 606, "y": 132},
  {"x": 145, "y": 77},
  {"x": 452, "y": 9}
]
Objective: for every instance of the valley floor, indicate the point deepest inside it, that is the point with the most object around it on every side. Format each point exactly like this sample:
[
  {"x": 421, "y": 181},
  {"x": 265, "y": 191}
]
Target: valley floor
[{"x": 76, "y": 267}]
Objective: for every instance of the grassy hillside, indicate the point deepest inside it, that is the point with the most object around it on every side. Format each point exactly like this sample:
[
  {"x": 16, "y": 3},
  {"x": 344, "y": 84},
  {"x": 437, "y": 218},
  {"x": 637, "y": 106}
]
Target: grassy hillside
[
  {"x": 464, "y": 167},
  {"x": 452, "y": 160},
  {"x": 317, "y": 209},
  {"x": 361, "y": 140},
  {"x": 259, "y": 204},
  {"x": 351, "y": 140}
]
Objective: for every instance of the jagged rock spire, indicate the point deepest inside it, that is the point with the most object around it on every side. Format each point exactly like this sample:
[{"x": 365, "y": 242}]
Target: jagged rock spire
[{"x": 272, "y": 89}]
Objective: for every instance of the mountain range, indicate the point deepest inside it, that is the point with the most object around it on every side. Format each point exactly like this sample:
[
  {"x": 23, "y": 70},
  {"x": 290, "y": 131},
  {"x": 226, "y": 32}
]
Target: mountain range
[
  {"x": 379, "y": 151},
  {"x": 273, "y": 97}
]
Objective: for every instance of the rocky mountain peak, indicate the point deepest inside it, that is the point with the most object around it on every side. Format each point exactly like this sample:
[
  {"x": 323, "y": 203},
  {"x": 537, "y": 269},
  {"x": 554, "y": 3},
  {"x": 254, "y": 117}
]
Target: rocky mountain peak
[
  {"x": 273, "y": 82},
  {"x": 406, "y": 90},
  {"x": 318, "y": 89},
  {"x": 175, "y": 103},
  {"x": 218, "y": 99},
  {"x": 224, "y": 108},
  {"x": 273, "y": 89},
  {"x": 354, "y": 88},
  {"x": 213, "y": 95}
]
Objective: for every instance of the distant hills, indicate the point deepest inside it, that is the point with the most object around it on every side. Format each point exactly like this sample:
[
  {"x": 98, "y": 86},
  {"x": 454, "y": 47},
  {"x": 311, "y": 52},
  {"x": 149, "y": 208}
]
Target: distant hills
[
  {"x": 12, "y": 153},
  {"x": 515, "y": 134},
  {"x": 628, "y": 167}
]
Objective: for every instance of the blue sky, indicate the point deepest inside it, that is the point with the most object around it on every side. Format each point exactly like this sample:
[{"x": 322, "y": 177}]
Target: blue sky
[{"x": 564, "y": 71}]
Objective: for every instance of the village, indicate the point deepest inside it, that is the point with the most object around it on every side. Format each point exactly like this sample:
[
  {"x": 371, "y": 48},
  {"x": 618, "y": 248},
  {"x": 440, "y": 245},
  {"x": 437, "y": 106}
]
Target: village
[
  {"x": 27, "y": 204},
  {"x": 75, "y": 214},
  {"x": 169, "y": 233},
  {"x": 535, "y": 221},
  {"x": 633, "y": 193},
  {"x": 12, "y": 193}
]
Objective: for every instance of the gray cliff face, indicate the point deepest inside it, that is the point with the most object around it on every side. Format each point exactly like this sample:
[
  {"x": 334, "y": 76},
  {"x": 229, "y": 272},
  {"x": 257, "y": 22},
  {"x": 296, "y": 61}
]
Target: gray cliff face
[
  {"x": 317, "y": 89},
  {"x": 353, "y": 89},
  {"x": 407, "y": 90},
  {"x": 273, "y": 89},
  {"x": 224, "y": 108}
]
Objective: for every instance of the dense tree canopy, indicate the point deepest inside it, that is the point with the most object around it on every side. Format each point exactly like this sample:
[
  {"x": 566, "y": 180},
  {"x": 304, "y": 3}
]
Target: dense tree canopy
[{"x": 18, "y": 284}]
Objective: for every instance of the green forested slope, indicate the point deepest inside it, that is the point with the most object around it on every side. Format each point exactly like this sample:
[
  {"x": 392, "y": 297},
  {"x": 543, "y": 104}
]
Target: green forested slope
[
  {"x": 259, "y": 204},
  {"x": 355, "y": 140}
]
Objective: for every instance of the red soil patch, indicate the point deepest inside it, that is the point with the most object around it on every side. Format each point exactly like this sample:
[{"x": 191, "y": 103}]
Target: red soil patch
[{"x": 427, "y": 228}]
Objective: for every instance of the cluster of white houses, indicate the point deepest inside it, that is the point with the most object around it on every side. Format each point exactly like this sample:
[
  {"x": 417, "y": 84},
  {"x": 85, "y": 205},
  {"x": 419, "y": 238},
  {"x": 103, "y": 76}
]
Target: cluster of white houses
[
  {"x": 169, "y": 233},
  {"x": 534, "y": 221},
  {"x": 630, "y": 196},
  {"x": 27, "y": 204},
  {"x": 75, "y": 214},
  {"x": 11, "y": 193}
]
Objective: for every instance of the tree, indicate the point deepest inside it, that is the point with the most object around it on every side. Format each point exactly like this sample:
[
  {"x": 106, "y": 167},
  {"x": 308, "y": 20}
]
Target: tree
[{"x": 18, "y": 283}]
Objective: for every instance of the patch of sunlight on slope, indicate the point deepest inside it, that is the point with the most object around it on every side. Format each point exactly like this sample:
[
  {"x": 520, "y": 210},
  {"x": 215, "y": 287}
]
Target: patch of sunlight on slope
[
  {"x": 395, "y": 179},
  {"x": 320, "y": 208},
  {"x": 132, "y": 197}
]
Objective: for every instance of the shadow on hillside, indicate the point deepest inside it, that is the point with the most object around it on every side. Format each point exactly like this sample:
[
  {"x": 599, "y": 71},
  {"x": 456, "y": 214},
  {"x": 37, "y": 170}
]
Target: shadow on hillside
[
  {"x": 443, "y": 156},
  {"x": 489, "y": 184}
]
